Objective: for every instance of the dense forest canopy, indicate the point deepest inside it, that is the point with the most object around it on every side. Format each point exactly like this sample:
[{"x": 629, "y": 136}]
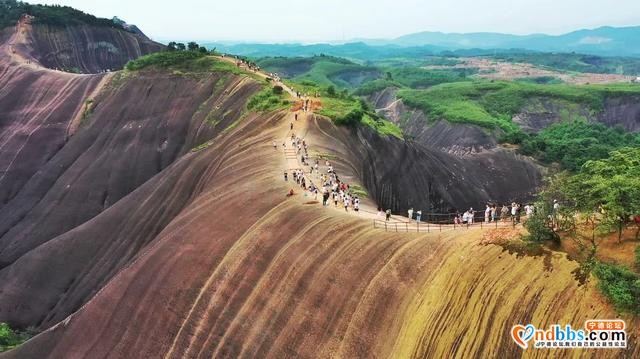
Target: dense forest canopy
[{"x": 55, "y": 15}]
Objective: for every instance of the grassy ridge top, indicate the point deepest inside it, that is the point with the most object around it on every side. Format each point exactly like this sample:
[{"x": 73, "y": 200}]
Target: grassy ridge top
[{"x": 184, "y": 62}]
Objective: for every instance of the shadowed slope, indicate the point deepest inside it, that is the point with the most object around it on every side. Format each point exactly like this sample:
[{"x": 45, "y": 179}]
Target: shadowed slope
[
  {"x": 403, "y": 174},
  {"x": 36, "y": 111},
  {"x": 122, "y": 145}
]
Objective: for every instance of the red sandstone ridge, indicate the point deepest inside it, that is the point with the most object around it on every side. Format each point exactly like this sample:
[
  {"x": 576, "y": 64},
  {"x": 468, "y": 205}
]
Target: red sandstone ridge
[{"x": 78, "y": 48}]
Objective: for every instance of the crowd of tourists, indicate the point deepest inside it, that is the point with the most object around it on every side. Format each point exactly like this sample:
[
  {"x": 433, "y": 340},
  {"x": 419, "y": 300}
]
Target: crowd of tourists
[
  {"x": 329, "y": 187},
  {"x": 244, "y": 62},
  {"x": 334, "y": 192},
  {"x": 493, "y": 212}
]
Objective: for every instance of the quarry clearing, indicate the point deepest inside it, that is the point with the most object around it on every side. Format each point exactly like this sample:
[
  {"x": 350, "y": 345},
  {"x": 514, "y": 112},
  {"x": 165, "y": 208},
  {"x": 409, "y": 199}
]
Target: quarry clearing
[{"x": 502, "y": 70}]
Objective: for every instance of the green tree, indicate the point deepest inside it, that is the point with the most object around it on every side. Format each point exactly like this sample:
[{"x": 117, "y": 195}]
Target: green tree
[
  {"x": 610, "y": 186},
  {"x": 193, "y": 46},
  {"x": 181, "y": 46},
  {"x": 203, "y": 50},
  {"x": 172, "y": 46},
  {"x": 548, "y": 222},
  {"x": 331, "y": 91}
]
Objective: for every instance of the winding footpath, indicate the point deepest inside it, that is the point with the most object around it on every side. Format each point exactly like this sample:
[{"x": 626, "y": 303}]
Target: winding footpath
[{"x": 368, "y": 211}]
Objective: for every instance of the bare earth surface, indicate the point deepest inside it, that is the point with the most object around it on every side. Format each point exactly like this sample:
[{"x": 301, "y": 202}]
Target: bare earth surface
[{"x": 499, "y": 70}]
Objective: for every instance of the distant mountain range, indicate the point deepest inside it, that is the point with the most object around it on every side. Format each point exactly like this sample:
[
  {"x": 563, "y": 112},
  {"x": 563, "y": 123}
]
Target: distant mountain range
[
  {"x": 603, "y": 41},
  {"x": 614, "y": 41}
]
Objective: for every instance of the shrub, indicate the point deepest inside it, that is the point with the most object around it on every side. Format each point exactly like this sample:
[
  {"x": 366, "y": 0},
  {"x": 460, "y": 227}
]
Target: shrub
[
  {"x": 163, "y": 60},
  {"x": 358, "y": 191},
  {"x": 278, "y": 90},
  {"x": 267, "y": 100},
  {"x": 352, "y": 118},
  {"x": 620, "y": 285},
  {"x": 7, "y": 336},
  {"x": 540, "y": 227}
]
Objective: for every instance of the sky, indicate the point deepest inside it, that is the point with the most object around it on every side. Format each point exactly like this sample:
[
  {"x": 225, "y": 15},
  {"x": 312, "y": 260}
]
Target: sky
[{"x": 342, "y": 20}]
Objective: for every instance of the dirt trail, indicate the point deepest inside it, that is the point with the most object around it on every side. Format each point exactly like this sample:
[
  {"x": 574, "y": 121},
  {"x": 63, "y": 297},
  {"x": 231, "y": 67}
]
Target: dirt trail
[{"x": 14, "y": 48}]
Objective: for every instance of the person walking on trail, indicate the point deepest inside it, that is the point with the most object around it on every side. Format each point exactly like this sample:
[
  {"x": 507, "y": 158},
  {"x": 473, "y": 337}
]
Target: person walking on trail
[
  {"x": 296, "y": 117},
  {"x": 529, "y": 209},
  {"x": 418, "y": 216},
  {"x": 325, "y": 196},
  {"x": 410, "y": 213},
  {"x": 388, "y": 215},
  {"x": 286, "y": 176},
  {"x": 472, "y": 214},
  {"x": 346, "y": 203},
  {"x": 504, "y": 213},
  {"x": 494, "y": 211},
  {"x": 514, "y": 209},
  {"x": 356, "y": 205},
  {"x": 275, "y": 145},
  {"x": 487, "y": 214},
  {"x": 292, "y": 126}
]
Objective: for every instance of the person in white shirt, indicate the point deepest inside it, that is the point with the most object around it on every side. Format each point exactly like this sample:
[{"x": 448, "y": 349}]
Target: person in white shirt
[
  {"x": 410, "y": 213},
  {"x": 465, "y": 217}
]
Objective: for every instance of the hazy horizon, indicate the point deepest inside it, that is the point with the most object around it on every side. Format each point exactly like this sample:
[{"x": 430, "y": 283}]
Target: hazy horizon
[{"x": 287, "y": 21}]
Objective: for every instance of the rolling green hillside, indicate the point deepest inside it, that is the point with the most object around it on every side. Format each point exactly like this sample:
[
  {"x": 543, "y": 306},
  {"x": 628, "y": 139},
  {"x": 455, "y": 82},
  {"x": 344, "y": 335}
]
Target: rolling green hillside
[
  {"x": 493, "y": 104},
  {"x": 321, "y": 70}
]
